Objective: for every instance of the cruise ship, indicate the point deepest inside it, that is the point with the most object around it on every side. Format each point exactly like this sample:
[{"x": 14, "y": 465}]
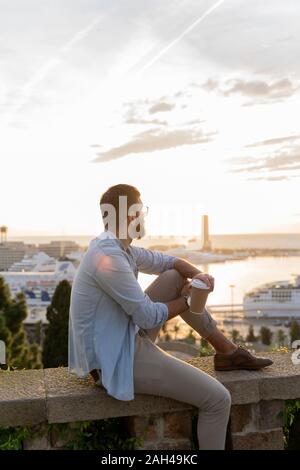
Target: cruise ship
[
  {"x": 276, "y": 299},
  {"x": 37, "y": 277}
]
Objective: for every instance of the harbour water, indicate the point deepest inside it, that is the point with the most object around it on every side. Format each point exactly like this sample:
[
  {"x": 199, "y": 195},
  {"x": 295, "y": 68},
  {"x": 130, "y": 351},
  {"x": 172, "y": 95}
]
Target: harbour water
[{"x": 243, "y": 275}]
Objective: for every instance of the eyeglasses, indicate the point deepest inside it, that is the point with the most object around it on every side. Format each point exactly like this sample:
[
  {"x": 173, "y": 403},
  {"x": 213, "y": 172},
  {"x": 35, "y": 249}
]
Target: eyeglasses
[
  {"x": 138, "y": 209},
  {"x": 144, "y": 210}
]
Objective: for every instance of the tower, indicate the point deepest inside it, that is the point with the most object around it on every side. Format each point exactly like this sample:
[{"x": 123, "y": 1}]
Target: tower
[
  {"x": 3, "y": 232},
  {"x": 206, "y": 243}
]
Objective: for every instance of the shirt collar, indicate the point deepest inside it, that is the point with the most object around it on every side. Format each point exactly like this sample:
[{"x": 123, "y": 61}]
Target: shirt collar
[{"x": 107, "y": 234}]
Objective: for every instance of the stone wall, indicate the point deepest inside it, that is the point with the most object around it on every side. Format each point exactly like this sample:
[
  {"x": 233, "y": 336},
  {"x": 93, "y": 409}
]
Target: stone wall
[{"x": 36, "y": 397}]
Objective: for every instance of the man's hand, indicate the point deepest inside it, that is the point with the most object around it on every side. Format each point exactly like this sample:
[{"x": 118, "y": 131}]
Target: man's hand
[
  {"x": 186, "y": 290},
  {"x": 190, "y": 271},
  {"x": 209, "y": 280}
]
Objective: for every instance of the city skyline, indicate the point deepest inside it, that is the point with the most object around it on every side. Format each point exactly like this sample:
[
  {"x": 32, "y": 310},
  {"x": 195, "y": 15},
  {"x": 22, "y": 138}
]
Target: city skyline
[{"x": 193, "y": 103}]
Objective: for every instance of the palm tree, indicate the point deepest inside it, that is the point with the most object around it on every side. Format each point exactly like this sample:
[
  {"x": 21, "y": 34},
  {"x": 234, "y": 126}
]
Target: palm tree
[{"x": 176, "y": 329}]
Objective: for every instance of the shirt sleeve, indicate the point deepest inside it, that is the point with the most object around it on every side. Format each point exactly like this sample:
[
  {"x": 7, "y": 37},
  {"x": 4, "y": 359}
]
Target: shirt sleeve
[
  {"x": 152, "y": 262},
  {"x": 113, "y": 273}
]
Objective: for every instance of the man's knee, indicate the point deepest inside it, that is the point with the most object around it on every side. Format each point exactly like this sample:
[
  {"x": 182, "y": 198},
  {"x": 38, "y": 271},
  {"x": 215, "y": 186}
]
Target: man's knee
[
  {"x": 220, "y": 399},
  {"x": 174, "y": 276},
  {"x": 223, "y": 401},
  {"x": 226, "y": 398}
]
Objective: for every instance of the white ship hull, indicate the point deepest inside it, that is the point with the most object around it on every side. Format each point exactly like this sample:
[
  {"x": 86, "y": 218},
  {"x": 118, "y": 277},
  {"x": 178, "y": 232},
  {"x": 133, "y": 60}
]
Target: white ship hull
[
  {"x": 276, "y": 300},
  {"x": 275, "y": 311}
]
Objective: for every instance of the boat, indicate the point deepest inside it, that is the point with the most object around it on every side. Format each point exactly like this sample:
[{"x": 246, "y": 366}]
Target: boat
[
  {"x": 280, "y": 299},
  {"x": 37, "y": 277}
]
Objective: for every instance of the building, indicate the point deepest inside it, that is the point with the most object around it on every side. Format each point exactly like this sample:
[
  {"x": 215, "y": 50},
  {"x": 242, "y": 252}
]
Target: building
[
  {"x": 3, "y": 233},
  {"x": 11, "y": 252},
  {"x": 59, "y": 248},
  {"x": 206, "y": 242}
]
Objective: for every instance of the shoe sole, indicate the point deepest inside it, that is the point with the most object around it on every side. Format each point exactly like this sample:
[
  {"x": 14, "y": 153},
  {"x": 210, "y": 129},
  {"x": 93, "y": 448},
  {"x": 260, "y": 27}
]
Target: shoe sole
[{"x": 241, "y": 368}]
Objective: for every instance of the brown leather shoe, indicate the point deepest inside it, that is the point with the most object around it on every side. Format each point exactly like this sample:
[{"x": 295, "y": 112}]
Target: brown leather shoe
[
  {"x": 241, "y": 358},
  {"x": 95, "y": 373}
]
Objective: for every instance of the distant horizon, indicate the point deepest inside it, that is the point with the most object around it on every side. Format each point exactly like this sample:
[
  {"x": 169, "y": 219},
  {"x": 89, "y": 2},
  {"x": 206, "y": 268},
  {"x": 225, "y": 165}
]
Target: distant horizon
[
  {"x": 156, "y": 234},
  {"x": 238, "y": 241},
  {"x": 170, "y": 235}
]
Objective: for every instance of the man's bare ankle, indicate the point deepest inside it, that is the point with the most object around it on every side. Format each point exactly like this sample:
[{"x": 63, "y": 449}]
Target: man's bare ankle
[{"x": 227, "y": 349}]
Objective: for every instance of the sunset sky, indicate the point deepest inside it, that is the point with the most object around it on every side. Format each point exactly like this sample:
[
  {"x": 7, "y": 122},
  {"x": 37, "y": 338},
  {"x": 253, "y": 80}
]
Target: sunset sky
[{"x": 195, "y": 102}]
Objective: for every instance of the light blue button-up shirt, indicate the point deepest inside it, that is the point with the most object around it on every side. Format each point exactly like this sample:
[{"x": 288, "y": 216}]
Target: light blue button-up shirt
[{"x": 107, "y": 303}]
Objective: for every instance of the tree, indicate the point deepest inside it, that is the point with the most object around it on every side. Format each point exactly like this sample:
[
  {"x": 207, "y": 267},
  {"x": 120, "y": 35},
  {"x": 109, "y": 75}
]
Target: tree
[
  {"x": 294, "y": 331},
  {"x": 13, "y": 311},
  {"x": 280, "y": 337},
  {"x": 235, "y": 336},
  {"x": 38, "y": 333},
  {"x": 176, "y": 330},
  {"x": 251, "y": 338},
  {"x": 190, "y": 338},
  {"x": 5, "y": 335},
  {"x": 5, "y": 298},
  {"x": 265, "y": 335},
  {"x": 16, "y": 313},
  {"x": 55, "y": 350}
]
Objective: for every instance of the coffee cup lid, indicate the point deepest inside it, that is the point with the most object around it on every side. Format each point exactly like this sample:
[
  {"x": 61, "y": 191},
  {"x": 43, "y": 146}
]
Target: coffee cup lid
[{"x": 199, "y": 284}]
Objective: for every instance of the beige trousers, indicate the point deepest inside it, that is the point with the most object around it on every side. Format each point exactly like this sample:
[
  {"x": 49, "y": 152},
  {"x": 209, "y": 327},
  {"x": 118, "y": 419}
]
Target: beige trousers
[{"x": 158, "y": 373}]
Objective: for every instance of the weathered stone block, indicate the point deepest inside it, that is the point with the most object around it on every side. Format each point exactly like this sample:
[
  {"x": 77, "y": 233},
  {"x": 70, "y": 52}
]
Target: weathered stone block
[
  {"x": 261, "y": 440},
  {"x": 72, "y": 399},
  {"x": 168, "y": 444},
  {"x": 40, "y": 439},
  {"x": 178, "y": 425},
  {"x": 149, "y": 428},
  {"x": 257, "y": 416},
  {"x": 174, "y": 444},
  {"x": 241, "y": 417},
  {"x": 22, "y": 398},
  {"x": 270, "y": 414}
]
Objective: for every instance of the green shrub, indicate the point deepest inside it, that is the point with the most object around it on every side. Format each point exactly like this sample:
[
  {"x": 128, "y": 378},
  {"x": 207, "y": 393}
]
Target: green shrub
[
  {"x": 12, "y": 438},
  {"x": 106, "y": 434},
  {"x": 291, "y": 424}
]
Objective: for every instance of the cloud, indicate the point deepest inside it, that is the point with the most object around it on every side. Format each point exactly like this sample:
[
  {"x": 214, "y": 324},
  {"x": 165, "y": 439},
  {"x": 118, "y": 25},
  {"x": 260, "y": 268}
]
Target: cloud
[
  {"x": 275, "y": 141},
  {"x": 161, "y": 107},
  {"x": 194, "y": 122},
  {"x": 138, "y": 111},
  {"x": 137, "y": 120},
  {"x": 260, "y": 91},
  {"x": 141, "y": 111},
  {"x": 285, "y": 160},
  {"x": 270, "y": 178},
  {"x": 258, "y": 88},
  {"x": 209, "y": 85},
  {"x": 153, "y": 140}
]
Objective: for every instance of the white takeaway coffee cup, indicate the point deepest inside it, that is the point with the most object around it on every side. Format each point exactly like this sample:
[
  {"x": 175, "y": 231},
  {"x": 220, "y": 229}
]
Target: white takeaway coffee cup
[{"x": 199, "y": 293}]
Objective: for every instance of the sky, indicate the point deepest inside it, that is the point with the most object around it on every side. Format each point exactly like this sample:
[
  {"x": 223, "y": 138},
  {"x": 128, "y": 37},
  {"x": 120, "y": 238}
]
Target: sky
[{"x": 195, "y": 102}]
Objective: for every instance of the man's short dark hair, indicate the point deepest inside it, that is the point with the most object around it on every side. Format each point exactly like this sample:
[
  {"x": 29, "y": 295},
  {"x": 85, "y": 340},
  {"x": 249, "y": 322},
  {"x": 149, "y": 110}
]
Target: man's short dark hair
[{"x": 111, "y": 196}]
